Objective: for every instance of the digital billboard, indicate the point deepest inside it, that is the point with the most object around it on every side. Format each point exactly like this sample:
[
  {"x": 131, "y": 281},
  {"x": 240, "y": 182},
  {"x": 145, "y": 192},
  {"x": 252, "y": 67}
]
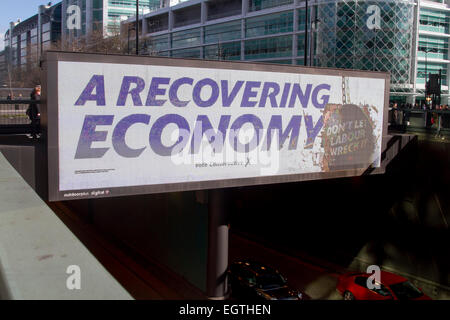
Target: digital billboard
[{"x": 121, "y": 125}]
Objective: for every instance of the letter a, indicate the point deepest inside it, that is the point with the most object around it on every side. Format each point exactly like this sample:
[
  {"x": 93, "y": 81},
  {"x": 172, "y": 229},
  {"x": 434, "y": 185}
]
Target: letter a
[
  {"x": 97, "y": 82},
  {"x": 374, "y": 20},
  {"x": 374, "y": 280},
  {"x": 74, "y": 280},
  {"x": 74, "y": 17}
]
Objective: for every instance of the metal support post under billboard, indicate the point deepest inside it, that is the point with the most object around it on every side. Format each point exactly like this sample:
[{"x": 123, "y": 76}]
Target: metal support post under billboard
[{"x": 217, "y": 264}]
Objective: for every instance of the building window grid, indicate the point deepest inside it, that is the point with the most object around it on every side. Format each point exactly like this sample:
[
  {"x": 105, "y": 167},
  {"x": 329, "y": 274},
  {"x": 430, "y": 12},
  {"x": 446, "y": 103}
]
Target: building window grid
[
  {"x": 186, "y": 38},
  {"x": 223, "y": 32},
  {"x": 435, "y": 21},
  {"x": 158, "y": 44},
  {"x": 431, "y": 68},
  {"x": 274, "y": 47},
  {"x": 186, "y": 41},
  {"x": 433, "y": 48},
  {"x": 223, "y": 51},
  {"x": 269, "y": 24},
  {"x": 187, "y": 53}
]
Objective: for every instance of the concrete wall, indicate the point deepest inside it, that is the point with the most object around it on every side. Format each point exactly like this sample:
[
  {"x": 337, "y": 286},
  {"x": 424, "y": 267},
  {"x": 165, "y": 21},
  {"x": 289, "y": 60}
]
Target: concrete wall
[{"x": 169, "y": 229}]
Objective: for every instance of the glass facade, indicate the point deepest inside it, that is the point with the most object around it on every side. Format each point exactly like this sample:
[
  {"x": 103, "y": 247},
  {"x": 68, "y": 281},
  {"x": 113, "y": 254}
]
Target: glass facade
[
  {"x": 118, "y": 10},
  {"x": 348, "y": 38},
  {"x": 434, "y": 21},
  {"x": 106, "y": 14},
  {"x": 268, "y": 48},
  {"x": 159, "y": 43},
  {"x": 31, "y": 36},
  {"x": 431, "y": 67},
  {"x": 223, "y": 32},
  {"x": 186, "y": 38},
  {"x": 375, "y": 35},
  {"x": 433, "y": 48},
  {"x": 269, "y": 24},
  {"x": 223, "y": 51},
  {"x": 187, "y": 53},
  {"x": 433, "y": 45}
]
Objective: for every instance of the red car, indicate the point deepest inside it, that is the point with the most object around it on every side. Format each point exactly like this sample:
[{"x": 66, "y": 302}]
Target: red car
[{"x": 353, "y": 286}]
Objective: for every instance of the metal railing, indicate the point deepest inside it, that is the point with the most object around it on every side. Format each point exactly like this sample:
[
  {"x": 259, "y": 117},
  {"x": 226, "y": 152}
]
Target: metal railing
[
  {"x": 409, "y": 119},
  {"x": 13, "y": 116}
]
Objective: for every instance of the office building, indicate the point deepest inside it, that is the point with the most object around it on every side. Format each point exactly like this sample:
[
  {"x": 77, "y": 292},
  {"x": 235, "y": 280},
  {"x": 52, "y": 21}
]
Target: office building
[{"x": 404, "y": 37}]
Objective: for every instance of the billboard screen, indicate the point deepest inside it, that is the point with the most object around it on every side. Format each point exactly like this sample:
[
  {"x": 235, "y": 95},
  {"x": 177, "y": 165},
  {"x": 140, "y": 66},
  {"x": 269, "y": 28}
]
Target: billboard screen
[{"x": 134, "y": 125}]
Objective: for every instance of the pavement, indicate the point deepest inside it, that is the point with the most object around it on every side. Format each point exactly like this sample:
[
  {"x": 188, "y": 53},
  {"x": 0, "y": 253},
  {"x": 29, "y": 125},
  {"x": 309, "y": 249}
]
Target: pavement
[{"x": 39, "y": 254}]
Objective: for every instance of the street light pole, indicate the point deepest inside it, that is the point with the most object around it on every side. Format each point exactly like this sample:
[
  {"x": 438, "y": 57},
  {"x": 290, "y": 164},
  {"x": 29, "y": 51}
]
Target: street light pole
[
  {"x": 426, "y": 76},
  {"x": 137, "y": 27}
]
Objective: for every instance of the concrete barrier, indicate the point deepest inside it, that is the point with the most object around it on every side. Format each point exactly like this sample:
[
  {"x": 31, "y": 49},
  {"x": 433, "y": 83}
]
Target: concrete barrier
[{"x": 39, "y": 257}]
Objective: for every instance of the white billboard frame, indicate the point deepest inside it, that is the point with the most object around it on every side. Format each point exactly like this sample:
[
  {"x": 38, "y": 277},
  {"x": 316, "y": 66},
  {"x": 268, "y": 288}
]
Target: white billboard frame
[{"x": 50, "y": 123}]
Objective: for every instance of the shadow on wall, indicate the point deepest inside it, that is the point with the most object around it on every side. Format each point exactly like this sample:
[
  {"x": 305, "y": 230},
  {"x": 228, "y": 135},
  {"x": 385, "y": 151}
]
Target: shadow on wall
[{"x": 169, "y": 229}]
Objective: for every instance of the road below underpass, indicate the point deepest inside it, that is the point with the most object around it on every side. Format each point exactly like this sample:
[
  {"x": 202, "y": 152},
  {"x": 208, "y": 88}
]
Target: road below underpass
[
  {"x": 318, "y": 282},
  {"x": 398, "y": 220}
]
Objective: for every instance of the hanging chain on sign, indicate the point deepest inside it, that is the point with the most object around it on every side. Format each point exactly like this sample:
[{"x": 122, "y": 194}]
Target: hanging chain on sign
[{"x": 345, "y": 92}]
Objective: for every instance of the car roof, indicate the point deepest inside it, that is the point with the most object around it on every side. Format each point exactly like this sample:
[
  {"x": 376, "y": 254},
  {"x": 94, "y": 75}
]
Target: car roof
[
  {"x": 387, "y": 278},
  {"x": 256, "y": 267}
]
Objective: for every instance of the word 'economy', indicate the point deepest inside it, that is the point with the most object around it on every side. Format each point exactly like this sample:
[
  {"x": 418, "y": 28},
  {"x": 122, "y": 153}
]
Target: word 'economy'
[{"x": 204, "y": 93}]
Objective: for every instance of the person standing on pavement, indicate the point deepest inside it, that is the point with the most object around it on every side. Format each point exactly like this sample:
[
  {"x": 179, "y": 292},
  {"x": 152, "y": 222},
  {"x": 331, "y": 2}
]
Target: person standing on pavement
[{"x": 34, "y": 113}]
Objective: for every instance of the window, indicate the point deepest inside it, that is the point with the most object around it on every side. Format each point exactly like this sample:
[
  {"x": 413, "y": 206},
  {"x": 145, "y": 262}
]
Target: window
[
  {"x": 432, "y": 47},
  {"x": 431, "y": 68},
  {"x": 256, "y": 5},
  {"x": 158, "y": 43},
  {"x": 224, "y": 51},
  {"x": 187, "y": 16},
  {"x": 302, "y": 18},
  {"x": 223, "y": 32},
  {"x": 269, "y": 24},
  {"x": 186, "y": 38},
  {"x": 131, "y": 4},
  {"x": 97, "y": 4},
  {"x": 186, "y": 53},
  {"x": 97, "y": 15},
  {"x": 270, "y": 281},
  {"x": 158, "y": 23},
  {"x": 46, "y": 36},
  {"x": 361, "y": 281},
  {"x": 248, "y": 276},
  {"x": 46, "y": 27},
  {"x": 223, "y": 8},
  {"x": 406, "y": 291},
  {"x": 382, "y": 291},
  {"x": 268, "y": 48},
  {"x": 435, "y": 21}
]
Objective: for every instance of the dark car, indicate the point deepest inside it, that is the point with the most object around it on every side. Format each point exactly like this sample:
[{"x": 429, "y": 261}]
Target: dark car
[
  {"x": 253, "y": 280},
  {"x": 353, "y": 286}
]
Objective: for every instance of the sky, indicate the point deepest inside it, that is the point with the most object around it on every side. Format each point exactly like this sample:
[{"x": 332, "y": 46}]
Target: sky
[{"x": 12, "y": 10}]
